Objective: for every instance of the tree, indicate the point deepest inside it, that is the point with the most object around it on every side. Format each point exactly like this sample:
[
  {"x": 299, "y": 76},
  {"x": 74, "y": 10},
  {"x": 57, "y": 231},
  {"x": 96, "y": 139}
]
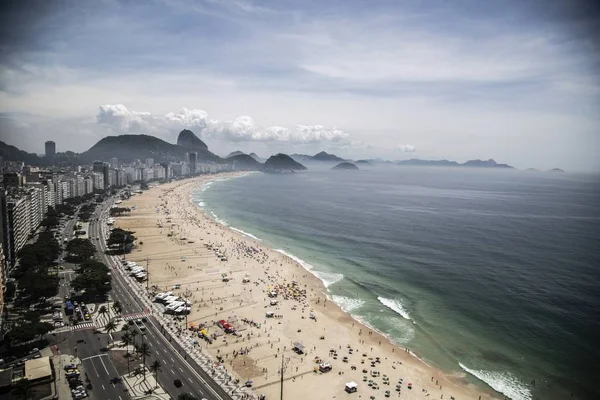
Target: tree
[
  {"x": 80, "y": 250},
  {"x": 49, "y": 222},
  {"x": 27, "y": 331},
  {"x": 155, "y": 368},
  {"x": 102, "y": 310},
  {"x": 118, "y": 307},
  {"x": 111, "y": 327},
  {"x": 120, "y": 239},
  {"x": 127, "y": 340},
  {"x": 93, "y": 277},
  {"x": 144, "y": 351},
  {"x": 186, "y": 396}
]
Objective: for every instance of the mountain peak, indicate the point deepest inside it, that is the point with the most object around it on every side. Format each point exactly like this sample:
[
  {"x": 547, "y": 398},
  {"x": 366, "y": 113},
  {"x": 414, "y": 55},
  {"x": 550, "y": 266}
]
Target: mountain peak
[
  {"x": 324, "y": 156},
  {"x": 189, "y": 140}
]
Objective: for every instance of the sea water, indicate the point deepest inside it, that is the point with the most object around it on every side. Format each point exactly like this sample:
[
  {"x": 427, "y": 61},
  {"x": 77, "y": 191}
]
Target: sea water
[{"x": 484, "y": 273}]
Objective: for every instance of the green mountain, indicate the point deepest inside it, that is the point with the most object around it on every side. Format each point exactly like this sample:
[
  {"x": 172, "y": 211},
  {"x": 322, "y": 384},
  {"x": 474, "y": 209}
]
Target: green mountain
[
  {"x": 11, "y": 153},
  {"x": 282, "y": 163},
  {"x": 131, "y": 147},
  {"x": 323, "y": 156},
  {"x": 346, "y": 166},
  {"x": 235, "y": 153},
  {"x": 244, "y": 161},
  {"x": 190, "y": 141}
]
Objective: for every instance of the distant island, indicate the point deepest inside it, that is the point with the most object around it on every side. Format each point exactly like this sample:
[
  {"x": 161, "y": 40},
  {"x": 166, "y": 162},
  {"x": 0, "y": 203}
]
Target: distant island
[
  {"x": 281, "y": 163},
  {"x": 445, "y": 163},
  {"x": 321, "y": 156},
  {"x": 363, "y": 162},
  {"x": 557, "y": 170},
  {"x": 346, "y": 166}
]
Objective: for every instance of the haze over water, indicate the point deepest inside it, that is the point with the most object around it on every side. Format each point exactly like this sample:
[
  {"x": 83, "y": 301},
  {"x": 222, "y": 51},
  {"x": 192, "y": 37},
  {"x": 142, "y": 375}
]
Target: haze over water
[{"x": 488, "y": 272}]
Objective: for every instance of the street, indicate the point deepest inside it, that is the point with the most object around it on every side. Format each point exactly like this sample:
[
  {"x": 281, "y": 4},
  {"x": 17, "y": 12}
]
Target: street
[{"x": 175, "y": 363}]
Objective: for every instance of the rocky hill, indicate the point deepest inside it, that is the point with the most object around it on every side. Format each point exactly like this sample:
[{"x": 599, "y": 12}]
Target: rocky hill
[
  {"x": 235, "y": 153},
  {"x": 12, "y": 153},
  {"x": 257, "y": 158},
  {"x": 323, "y": 156},
  {"x": 130, "y": 147},
  {"x": 346, "y": 166},
  {"x": 282, "y": 163},
  {"x": 364, "y": 162},
  {"x": 190, "y": 141},
  {"x": 245, "y": 162}
]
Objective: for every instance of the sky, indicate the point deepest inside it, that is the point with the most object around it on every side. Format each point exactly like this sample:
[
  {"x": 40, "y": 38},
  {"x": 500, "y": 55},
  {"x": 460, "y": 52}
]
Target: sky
[{"x": 515, "y": 80}]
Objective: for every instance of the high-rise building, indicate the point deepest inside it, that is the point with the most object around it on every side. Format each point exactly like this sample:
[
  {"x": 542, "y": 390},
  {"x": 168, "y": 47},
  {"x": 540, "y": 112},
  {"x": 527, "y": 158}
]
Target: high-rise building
[
  {"x": 3, "y": 273},
  {"x": 149, "y": 162},
  {"x": 192, "y": 160},
  {"x": 98, "y": 181},
  {"x": 102, "y": 168},
  {"x": 18, "y": 228},
  {"x": 13, "y": 180},
  {"x": 114, "y": 162},
  {"x": 121, "y": 178},
  {"x": 89, "y": 184},
  {"x": 4, "y": 240},
  {"x": 50, "y": 150},
  {"x": 112, "y": 177}
]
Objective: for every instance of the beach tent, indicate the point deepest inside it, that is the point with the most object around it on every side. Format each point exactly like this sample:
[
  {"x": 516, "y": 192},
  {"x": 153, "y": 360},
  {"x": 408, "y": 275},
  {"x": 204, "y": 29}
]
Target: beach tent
[
  {"x": 298, "y": 348},
  {"x": 351, "y": 387}
]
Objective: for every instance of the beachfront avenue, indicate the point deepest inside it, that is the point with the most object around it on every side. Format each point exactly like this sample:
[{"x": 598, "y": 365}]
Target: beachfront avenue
[{"x": 179, "y": 373}]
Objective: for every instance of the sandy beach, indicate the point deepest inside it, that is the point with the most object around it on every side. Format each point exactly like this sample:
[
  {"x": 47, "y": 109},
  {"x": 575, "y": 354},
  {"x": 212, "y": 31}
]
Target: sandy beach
[{"x": 232, "y": 277}]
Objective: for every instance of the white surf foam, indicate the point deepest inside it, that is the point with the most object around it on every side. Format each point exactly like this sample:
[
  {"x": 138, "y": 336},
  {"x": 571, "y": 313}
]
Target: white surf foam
[
  {"x": 300, "y": 261},
  {"x": 245, "y": 233},
  {"x": 348, "y": 304},
  {"x": 201, "y": 204},
  {"x": 216, "y": 217},
  {"x": 395, "y": 305},
  {"x": 503, "y": 382},
  {"x": 328, "y": 278}
]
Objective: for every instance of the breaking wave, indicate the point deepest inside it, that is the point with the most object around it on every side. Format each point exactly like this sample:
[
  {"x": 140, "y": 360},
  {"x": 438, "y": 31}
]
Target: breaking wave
[
  {"x": 245, "y": 233},
  {"x": 503, "y": 382},
  {"x": 395, "y": 305},
  {"x": 348, "y": 304}
]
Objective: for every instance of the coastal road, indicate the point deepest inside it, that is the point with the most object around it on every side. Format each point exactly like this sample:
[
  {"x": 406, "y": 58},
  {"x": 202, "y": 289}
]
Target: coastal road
[{"x": 175, "y": 362}]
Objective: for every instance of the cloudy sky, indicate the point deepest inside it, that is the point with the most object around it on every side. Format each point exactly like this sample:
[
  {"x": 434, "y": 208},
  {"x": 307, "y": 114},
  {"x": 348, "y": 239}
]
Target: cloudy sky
[{"x": 513, "y": 80}]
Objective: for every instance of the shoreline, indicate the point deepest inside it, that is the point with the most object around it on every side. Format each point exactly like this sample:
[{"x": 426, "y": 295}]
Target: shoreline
[{"x": 195, "y": 223}]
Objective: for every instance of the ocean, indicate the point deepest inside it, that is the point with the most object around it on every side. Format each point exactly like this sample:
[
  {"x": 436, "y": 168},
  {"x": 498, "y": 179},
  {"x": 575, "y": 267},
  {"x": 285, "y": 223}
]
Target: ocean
[{"x": 490, "y": 274}]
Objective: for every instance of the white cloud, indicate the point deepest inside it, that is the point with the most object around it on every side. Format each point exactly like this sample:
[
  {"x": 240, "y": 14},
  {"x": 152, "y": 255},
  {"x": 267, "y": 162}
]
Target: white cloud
[
  {"x": 407, "y": 148},
  {"x": 190, "y": 119},
  {"x": 122, "y": 120},
  {"x": 241, "y": 129}
]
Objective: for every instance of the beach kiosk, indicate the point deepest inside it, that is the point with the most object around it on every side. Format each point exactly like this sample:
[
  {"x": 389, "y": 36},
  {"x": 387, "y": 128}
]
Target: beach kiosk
[
  {"x": 351, "y": 387},
  {"x": 298, "y": 348}
]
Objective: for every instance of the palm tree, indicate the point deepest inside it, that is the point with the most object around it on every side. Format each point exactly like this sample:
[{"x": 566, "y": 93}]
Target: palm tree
[
  {"x": 127, "y": 340},
  {"x": 144, "y": 350},
  {"x": 133, "y": 335},
  {"x": 155, "y": 367},
  {"x": 102, "y": 310},
  {"x": 111, "y": 327},
  {"x": 118, "y": 307}
]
